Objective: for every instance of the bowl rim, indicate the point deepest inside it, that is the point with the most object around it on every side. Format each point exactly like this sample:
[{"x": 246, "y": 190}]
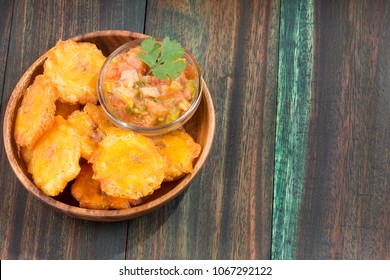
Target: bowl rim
[{"x": 93, "y": 214}]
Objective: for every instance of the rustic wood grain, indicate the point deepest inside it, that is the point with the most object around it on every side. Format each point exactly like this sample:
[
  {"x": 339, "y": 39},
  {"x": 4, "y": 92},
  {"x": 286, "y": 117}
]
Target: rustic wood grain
[
  {"x": 226, "y": 212},
  {"x": 332, "y": 171},
  {"x": 294, "y": 89},
  {"x": 346, "y": 211},
  {"x": 30, "y": 230},
  {"x": 5, "y": 28},
  {"x": 321, "y": 82}
]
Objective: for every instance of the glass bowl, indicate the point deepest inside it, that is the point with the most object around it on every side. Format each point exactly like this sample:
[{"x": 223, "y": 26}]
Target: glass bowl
[{"x": 117, "y": 120}]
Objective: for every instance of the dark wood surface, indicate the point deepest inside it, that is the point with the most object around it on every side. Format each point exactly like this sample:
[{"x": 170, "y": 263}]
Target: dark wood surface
[
  {"x": 300, "y": 165},
  {"x": 346, "y": 210}
]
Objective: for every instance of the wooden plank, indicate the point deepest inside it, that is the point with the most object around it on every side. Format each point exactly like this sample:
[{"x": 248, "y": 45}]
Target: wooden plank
[
  {"x": 345, "y": 212},
  {"x": 5, "y": 28},
  {"x": 294, "y": 89},
  {"x": 226, "y": 212},
  {"x": 332, "y": 171},
  {"x": 30, "y": 230}
]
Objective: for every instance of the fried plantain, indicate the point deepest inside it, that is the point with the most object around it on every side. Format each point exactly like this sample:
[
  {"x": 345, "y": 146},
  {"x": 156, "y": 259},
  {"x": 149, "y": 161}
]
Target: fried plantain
[
  {"x": 128, "y": 165},
  {"x": 89, "y": 194},
  {"x": 90, "y": 124},
  {"x": 65, "y": 109},
  {"x": 73, "y": 68},
  {"x": 55, "y": 158},
  {"x": 36, "y": 113},
  {"x": 26, "y": 153},
  {"x": 180, "y": 150},
  {"x": 86, "y": 128},
  {"x": 97, "y": 114}
]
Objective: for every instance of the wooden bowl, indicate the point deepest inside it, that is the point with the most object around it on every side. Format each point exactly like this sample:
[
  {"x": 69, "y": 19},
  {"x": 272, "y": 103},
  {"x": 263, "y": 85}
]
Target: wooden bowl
[{"x": 201, "y": 126}]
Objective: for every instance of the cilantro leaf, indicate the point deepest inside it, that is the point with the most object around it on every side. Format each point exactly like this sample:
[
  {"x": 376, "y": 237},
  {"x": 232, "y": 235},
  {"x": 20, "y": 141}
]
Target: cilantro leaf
[
  {"x": 152, "y": 49},
  {"x": 170, "y": 50},
  {"x": 164, "y": 60},
  {"x": 169, "y": 69}
]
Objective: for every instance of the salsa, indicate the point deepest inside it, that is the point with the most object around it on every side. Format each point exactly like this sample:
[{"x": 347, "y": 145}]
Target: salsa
[{"x": 137, "y": 97}]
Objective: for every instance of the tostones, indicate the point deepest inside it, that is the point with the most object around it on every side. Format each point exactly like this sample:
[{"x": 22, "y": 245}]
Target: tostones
[
  {"x": 55, "y": 158},
  {"x": 36, "y": 113},
  {"x": 86, "y": 128},
  {"x": 65, "y": 109},
  {"x": 73, "y": 68},
  {"x": 26, "y": 153},
  {"x": 127, "y": 164},
  {"x": 90, "y": 124},
  {"x": 180, "y": 150},
  {"x": 97, "y": 114},
  {"x": 88, "y": 193}
]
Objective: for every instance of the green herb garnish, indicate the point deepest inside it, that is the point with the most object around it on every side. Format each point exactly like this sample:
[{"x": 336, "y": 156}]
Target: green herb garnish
[{"x": 165, "y": 60}]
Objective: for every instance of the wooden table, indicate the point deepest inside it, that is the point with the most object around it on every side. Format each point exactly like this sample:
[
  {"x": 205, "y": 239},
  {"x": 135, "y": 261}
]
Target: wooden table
[{"x": 300, "y": 165}]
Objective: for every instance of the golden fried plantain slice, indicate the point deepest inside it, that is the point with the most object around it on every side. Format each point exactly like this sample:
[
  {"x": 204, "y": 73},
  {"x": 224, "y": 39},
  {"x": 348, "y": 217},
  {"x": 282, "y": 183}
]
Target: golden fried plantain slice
[
  {"x": 97, "y": 114},
  {"x": 88, "y": 193},
  {"x": 86, "y": 128},
  {"x": 36, "y": 113},
  {"x": 55, "y": 158},
  {"x": 180, "y": 150},
  {"x": 65, "y": 109},
  {"x": 26, "y": 153},
  {"x": 73, "y": 68},
  {"x": 90, "y": 124},
  {"x": 127, "y": 164}
]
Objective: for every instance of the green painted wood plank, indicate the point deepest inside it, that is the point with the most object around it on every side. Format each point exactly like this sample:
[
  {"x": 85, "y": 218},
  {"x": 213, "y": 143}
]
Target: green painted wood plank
[{"x": 294, "y": 90}]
